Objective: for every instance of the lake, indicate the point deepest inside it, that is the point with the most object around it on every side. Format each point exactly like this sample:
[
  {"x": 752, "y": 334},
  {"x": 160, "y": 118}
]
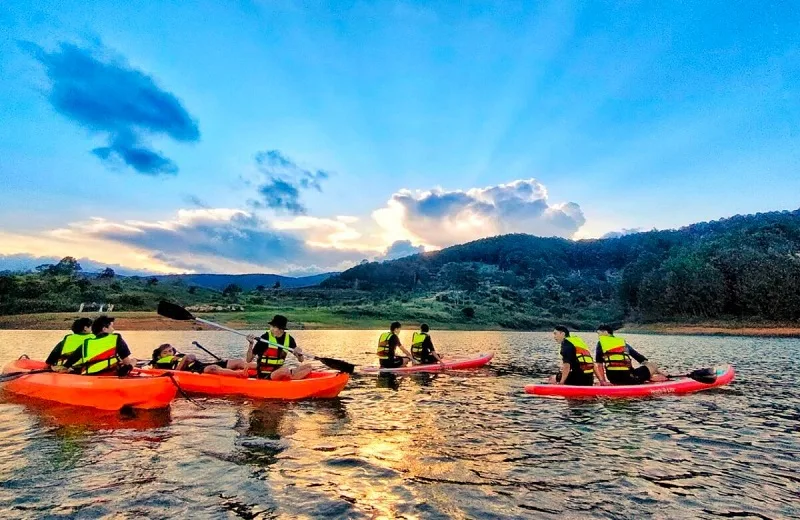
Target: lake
[{"x": 454, "y": 445}]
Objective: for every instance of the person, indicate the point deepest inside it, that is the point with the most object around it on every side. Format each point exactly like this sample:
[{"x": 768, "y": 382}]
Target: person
[
  {"x": 105, "y": 353},
  {"x": 422, "y": 348},
  {"x": 614, "y": 360},
  {"x": 271, "y": 359},
  {"x": 388, "y": 344},
  {"x": 167, "y": 357},
  {"x": 577, "y": 366},
  {"x": 81, "y": 331}
]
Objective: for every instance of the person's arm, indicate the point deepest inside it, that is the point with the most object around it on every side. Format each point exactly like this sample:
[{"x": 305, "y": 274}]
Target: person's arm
[
  {"x": 52, "y": 359},
  {"x": 185, "y": 360},
  {"x": 599, "y": 367},
  {"x": 251, "y": 341},
  {"x": 74, "y": 357},
  {"x": 565, "y": 368},
  {"x": 635, "y": 355},
  {"x": 567, "y": 353},
  {"x": 297, "y": 351},
  {"x": 435, "y": 354},
  {"x": 124, "y": 353}
]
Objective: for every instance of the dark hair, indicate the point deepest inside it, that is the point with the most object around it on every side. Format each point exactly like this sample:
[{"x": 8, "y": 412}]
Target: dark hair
[
  {"x": 606, "y": 328},
  {"x": 80, "y": 324},
  {"x": 561, "y": 328},
  {"x": 395, "y": 325},
  {"x": 424, "y": 327},
  {"x": 100, "y": 323},
  {"x": 157, "y": 351}
]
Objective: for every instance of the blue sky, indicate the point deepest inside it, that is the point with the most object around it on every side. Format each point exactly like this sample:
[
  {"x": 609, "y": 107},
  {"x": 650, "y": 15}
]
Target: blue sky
[{"x": 303, "y": 136}]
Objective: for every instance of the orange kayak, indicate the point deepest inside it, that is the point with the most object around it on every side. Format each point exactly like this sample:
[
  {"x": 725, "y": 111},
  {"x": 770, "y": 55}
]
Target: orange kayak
[
  {"x": 103, "y": 392},
  {"x": 318, "y": 385}
]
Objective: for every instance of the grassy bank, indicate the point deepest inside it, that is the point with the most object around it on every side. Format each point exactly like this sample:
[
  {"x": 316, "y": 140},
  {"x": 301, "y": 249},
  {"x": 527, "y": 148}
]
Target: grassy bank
[{"x": 332, "y": 318}]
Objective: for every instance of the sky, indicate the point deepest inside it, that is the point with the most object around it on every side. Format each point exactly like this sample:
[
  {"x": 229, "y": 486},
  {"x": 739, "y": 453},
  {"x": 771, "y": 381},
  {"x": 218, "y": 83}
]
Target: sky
[{"x": 303, "y": 137}]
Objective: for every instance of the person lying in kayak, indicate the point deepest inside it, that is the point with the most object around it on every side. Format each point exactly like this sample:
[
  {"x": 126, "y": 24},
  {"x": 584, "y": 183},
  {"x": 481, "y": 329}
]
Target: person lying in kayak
[
  {"x": 271, "y": 359},
  {"x": 614, "y": 361},
  {"x": 577, "y": 366},
  {"x": 388, "y": 344},
  {"x": 105, "y": 353},
  {"x": 167, "y": 358},
  {"x": 81, "y": 331},
  {"x": 422, "y": 347}
]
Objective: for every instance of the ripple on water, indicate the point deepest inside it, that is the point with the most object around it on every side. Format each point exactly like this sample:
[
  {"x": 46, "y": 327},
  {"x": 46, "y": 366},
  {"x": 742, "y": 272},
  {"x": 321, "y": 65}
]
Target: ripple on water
[{"x": 449, "y": 445}]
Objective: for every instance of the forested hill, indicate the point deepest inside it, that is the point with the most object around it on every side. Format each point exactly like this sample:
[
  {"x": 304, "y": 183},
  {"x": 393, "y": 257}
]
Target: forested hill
[{"x": 744, "y": 267}]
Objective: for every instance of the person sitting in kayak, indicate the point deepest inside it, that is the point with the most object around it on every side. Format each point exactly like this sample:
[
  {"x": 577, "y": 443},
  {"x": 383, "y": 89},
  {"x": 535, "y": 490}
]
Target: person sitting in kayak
[
  {"x": 105, "y": 353},
  {"x": 271, "y": 359},
  {"x": 614, "y": 361},
  {"x": 577, "y": 366},
  {"x": 422, "y": 347},
  {"x": 388, "y": 343},
  {"x": 167, "y": 358},
  {"x": 81, "y": 331}
]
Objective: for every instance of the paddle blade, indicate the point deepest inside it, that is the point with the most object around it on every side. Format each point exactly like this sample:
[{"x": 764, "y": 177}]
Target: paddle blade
[
  {"x": 15, "y": 375},
  {"x": 706, "y": 376},
  {"x": 173, "y": 311},
  {"x": 337, "y": 364}
]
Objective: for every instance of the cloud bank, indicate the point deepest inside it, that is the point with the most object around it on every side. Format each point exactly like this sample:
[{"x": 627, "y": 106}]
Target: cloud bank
[
  {"x": 283, "y": 182},
  {"x": 107, "y": 96}
]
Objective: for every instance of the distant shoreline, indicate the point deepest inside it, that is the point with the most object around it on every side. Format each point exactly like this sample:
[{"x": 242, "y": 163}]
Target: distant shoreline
[{"x": 256, "y": 321}]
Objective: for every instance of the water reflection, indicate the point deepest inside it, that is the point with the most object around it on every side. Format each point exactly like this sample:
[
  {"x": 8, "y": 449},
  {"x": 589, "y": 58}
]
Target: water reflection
[{"x": 445, "y": 445}]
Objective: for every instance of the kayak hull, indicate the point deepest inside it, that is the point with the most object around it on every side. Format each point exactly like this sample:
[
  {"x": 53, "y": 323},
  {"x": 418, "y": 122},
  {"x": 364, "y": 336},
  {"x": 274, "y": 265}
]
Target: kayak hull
[
  {"x": 476, "y": 361},
  {"x": 678, "y": 386},
  {"x": 318, "y": 385},
  {"x": 101, "y": 392}
]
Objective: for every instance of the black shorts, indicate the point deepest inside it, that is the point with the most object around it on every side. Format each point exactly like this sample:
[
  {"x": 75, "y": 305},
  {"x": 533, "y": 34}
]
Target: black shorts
[
  {"x": 578, "y": 379},
  {"x": 636, "y": 376},
  {"x": 199, "y": 368},
  {"x": 392, "y": 363},
  {"x": 427, "y": 360}
]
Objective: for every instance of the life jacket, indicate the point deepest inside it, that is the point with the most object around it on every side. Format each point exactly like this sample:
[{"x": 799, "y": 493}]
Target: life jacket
[
  {"x": 98, "y": 355},
  {"x": 70, "y": 344},
  {"x": 273, "y": 357},
  {"x": 417, "y": 342},
  {"x": 383, "y": 345},
  {"x": 582, "y": 353},
  {"x": 615, "y": 353},
  {"x": 170, "y": 362}
]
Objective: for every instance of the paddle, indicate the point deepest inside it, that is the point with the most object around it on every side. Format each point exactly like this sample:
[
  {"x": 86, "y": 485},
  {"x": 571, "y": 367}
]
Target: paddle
[
  {"x": 176, "y": 312},
  {"x": 201, "y": 347},
  {"x": 14, "y": 375},
  {"x": 706, "y": 376}
]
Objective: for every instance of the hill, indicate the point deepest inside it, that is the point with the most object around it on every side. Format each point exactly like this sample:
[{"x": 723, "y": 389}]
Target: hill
[
  {"x": 247, "y": 282},
  {"x": 744, "y": 268}
]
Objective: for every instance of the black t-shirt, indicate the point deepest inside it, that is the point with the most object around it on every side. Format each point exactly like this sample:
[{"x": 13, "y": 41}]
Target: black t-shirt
[
  {"x": 122, "y": 350},
  {"x": 576, "y": 375},
  {"x": 427, "y": 347},
  {"x": 394, "y": 342}
]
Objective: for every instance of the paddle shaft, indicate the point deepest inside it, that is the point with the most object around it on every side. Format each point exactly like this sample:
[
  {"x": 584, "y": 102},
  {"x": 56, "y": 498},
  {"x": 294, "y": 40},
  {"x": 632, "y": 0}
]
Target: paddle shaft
[
  {"x": 261, "y": 340},
  {"x": 201, "y": 347}
]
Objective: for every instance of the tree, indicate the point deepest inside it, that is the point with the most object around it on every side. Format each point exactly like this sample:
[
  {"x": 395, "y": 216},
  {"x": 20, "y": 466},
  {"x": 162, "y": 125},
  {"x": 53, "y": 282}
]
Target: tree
[
  {"x": 192, "y": 289},
  {"x": 152, "y": 281},
  {"x": 232, "y": 290},
  {"x": 277, "y": 284},
  {"x": 260, "y": 288},
  {"x": 106, "y": 273}
]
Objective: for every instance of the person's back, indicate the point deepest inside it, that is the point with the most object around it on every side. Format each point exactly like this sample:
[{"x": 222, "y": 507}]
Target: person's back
[
  {"x": 103, "y": 353},
  {"x": 81, "y": 331},
  {"x": 615, "y": 361},
  {"x": 388, "y": 343},
  {"x": 577, "y": 366},
  {"x": 422, "y": 348}
]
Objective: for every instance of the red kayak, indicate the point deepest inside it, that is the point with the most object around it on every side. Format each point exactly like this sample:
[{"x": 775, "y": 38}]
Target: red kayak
[
  {"x": 320, "y": 385},
  {"x": 103, "y": 392},
  {"x": 681, "y": 385}
]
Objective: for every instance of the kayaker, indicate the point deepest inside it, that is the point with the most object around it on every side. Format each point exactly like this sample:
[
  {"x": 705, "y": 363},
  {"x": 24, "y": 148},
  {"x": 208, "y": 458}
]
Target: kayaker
[
  {"x": 422, "y": 348},
  {"x": 615, "y": 361},
  {"x": 388, "y": 343},
  {"x": 81, "y": 331},
  {"x": 577, "y": 367},
  {"x": 167, "y": 357},
  {"x": 270, "y": 359},
  {"x": 102, "y": 354}
]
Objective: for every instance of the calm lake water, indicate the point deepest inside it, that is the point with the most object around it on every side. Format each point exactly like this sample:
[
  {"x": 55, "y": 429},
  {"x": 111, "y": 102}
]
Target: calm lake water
[{"x": 456, "y": 445}]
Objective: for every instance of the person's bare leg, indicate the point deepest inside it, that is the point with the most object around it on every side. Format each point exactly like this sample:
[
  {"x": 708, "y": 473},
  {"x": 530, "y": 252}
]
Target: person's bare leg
[
  {"x": 214, "y": 369},
  {"x": 236, "y": 364},
  {"x": 301, "y": 372},
  {"x": 656, "y": 375},
  {"x": 282, "y": 374}
]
